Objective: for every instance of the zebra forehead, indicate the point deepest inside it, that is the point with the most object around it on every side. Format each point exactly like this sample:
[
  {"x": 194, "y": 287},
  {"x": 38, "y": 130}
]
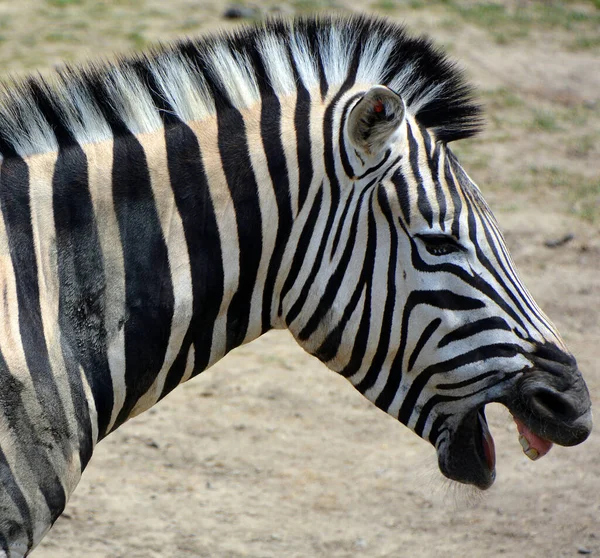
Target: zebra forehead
[{"x": 193, "y": 78}]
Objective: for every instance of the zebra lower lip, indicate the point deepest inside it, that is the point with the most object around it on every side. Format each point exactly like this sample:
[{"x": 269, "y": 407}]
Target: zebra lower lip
[
  {"x": 489, "y": 449},
  {"x": 470, "y": 456}
]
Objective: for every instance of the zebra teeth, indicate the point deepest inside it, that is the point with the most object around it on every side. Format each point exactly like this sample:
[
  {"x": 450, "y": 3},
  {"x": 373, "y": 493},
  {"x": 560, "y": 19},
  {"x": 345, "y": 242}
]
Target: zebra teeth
[
  {"x": 530, "y": 452},
  {"x": 524, "y": 443}
]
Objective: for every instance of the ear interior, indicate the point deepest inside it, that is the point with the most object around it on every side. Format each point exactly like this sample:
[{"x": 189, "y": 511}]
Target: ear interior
[{"x": 374, "y": 119}]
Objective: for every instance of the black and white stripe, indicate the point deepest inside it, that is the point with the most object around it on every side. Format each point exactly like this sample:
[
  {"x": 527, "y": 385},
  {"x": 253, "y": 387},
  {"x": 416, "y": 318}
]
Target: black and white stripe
[{"x": 158, "y": 212}]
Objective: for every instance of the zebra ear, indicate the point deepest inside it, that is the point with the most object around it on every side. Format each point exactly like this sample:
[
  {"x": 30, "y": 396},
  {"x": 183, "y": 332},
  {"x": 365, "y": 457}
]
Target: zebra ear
[{"x": 374, "y": 119}]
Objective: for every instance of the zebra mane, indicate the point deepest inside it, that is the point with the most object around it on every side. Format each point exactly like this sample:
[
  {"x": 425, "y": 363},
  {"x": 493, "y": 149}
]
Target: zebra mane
[{"x": 191, "y": 79}]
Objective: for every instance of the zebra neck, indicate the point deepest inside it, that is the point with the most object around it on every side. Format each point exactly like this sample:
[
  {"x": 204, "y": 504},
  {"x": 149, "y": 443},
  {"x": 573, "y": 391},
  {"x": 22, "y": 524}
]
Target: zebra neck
[
  {"x": 215, "y": 237},
  {"x": 156, "y": 254}
]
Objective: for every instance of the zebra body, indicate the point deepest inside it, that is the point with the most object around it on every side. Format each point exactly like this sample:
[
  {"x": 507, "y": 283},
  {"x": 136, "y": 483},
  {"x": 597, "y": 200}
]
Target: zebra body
[{"x": 159, "y": 212}]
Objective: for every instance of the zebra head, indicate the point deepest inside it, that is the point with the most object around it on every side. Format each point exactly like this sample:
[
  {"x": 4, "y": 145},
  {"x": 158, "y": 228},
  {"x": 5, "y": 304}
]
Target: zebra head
[{"x": 419, "y": 304}]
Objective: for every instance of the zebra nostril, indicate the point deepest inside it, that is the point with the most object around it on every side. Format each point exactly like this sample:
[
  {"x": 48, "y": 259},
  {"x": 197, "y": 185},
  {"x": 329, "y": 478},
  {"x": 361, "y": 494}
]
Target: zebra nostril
[{"x": 547, "y": 403}]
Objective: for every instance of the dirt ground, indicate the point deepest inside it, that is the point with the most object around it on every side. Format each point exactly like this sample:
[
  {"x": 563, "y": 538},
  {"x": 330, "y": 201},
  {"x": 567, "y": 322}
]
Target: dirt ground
[{"x": 268, "y": 454}]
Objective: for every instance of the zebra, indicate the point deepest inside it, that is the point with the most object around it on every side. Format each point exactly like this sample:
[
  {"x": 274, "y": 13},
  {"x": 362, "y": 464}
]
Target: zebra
[{"x": 158, "y": 211}]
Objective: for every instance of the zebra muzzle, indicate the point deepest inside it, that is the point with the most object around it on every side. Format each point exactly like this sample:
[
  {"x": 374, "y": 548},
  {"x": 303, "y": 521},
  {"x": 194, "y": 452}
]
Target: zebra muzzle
[{"x": 551, "y": 406}]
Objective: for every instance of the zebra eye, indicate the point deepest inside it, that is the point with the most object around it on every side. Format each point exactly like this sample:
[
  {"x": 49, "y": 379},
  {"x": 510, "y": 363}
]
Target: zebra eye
[{"x": 440, "y": 244}]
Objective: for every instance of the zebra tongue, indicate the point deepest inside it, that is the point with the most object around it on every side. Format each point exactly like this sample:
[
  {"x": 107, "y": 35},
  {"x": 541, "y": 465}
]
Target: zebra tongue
[{"x": 533, "y": 446}]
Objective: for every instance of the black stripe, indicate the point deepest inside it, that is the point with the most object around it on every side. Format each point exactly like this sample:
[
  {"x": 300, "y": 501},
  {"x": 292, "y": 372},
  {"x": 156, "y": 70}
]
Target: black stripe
[
  {"x": 361, "y": 339},
  {"x": 552, "y": 353},
  {"x": 436, "y": 428},
  {"x": 82, "y": 297},
  {"x": 80, "y": 405},
  {"x": 403, "y": 193},
  {"x": 434, "y": 155},
  {"x": 471, "y": 380},
  {"x": 234, "y": 151},
  {"x": 485, "y": 262},
  {"x": 473, "y": 328},
  {"x": 422, "y": 201},
  {"x": 348, "y": 82},
  {"x": 431, "y": 403},
  {"x": 475, "y": 281},
  {"x": 341, "y": 225},
  {"x": 14, "y": 201},
  {"x": 379, "y": 165},
  {"x": 148, "y": 289},
  {"x": 508, "y": 274},
  {"x": 192, "y": 197},
  {"x": 270, "y": 129},
  {"x": 425, "y": 336}
]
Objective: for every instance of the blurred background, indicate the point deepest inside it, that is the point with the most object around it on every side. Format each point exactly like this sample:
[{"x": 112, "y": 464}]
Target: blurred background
[{"x": 270, "y": 455}]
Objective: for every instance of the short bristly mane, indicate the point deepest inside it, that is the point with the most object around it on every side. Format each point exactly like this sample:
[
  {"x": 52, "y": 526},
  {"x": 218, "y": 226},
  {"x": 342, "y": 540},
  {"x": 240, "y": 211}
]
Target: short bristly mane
[{"x": 187, "y": 79}]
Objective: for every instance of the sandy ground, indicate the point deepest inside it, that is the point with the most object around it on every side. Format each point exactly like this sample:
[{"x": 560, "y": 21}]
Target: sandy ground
[{"x": 268, "y": 454}]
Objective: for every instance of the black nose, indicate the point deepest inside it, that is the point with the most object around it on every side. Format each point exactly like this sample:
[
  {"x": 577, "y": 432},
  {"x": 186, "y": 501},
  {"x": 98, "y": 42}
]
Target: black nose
[{"x": 554, "y": 397}]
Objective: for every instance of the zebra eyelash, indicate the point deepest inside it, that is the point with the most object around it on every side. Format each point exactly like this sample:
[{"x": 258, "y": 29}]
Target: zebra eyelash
[{"x": 440, "y": 244}]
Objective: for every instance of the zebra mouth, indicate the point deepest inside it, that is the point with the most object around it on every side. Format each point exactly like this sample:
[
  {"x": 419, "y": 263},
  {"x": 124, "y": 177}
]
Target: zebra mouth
[
  {"x": 471, "y": 455},
  {"x": 546, "y": 411}
]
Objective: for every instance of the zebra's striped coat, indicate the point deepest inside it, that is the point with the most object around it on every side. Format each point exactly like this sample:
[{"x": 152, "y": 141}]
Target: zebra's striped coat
[{"x": 161, "y": 211}]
